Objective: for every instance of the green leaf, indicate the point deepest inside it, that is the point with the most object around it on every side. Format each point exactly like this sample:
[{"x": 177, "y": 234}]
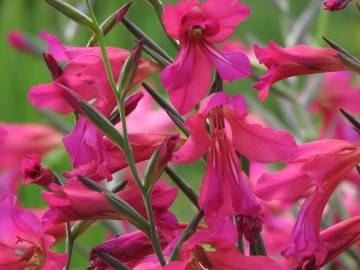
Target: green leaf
[
  {"x": 110, "y": 260},
  {"x": 139, "y": 34},
  {"x": 158, "y": 161},
  {"x": 346, "y": 56},
  {"x": 129, "y": 70},
  {"x": 122, "y": 206},
  {"x": 100, "y": 121},
  {"x": 71, "y": 12}
]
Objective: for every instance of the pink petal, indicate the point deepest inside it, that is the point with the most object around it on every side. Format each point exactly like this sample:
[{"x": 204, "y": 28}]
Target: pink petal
[
  {"x": 280, "y": 185},
  {"x": 259, "y": 143},
  {"x": 47, "y": 96},
  {"x": 198, "y": 142},
  {"x": 230, "y": 65},
  {"x": 228, "y": 14},
  {"x": 188, "y": 79}
]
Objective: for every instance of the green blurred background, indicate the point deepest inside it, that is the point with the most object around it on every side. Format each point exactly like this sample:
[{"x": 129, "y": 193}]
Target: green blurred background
[{"x": 19, "y": 71}]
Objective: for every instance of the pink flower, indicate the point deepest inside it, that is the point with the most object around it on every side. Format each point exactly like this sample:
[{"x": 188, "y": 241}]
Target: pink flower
[
  {"x": 199, "y": 26},
  {"x": 85, "y": 74},
  {"x": 23, "y": 243},
  {"x": 340, "y": 237},
  {"x": 71, "y": 202},
  {"x": 128, "y": 248},
  {"x": 18, "y": 41},
  {"x": 143, "y": 146},
  {"x": 317, "y": 170},
  {"x": 19, "y": 141},
  {"x": 224, "y": 256},
  {"x": 298, "y": 60},
  {"x": 334, "y": 5},
  {"x": 34, "y": 172},
  {"x": 225, "y": 189},
  {"x": 9, "y": 181},
  {"x": 147, "y": 117},
  {"x": 24, "y": 139},
  {"x": 337, "y": 92}
]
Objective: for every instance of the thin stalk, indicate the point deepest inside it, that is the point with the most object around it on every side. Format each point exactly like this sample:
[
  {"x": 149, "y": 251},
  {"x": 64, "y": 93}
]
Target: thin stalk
[
  {"x": 69, "y": 245},
  {"x": 189, "y": 230},
  {"x": 153, "y": 234},
  {"x": 101, "y": 40},
  {"x": 139, "y": 34},
  {"x": 184, "y": 187},
  {"x": 127, "y": 147}
]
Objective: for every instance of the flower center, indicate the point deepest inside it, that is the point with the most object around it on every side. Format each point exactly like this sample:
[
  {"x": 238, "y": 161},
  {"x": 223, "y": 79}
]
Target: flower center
[
  {"x": 200, "y": 260},
  {"x": 31, "y": 254}
]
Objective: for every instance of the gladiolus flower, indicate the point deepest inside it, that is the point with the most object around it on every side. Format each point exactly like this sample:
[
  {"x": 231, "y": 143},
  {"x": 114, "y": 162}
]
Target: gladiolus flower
[
  {"x": 23, "y": 243},
  {"x": 24, "y": 139},
  {"x": 334, "y": 5},
  {"x": 317, "y": 170},
  {"x": 225, "y": 189},
  {"x": 71, "y": 202},
  {"x": 199, "y": 26},
  {"x": 298, "y": 60},
  {"x": 85, "y": 73},
  {"x": 222, "y": 238},
  {"x": 129, "y": 248},
  {"x": 337, "y": 92}
]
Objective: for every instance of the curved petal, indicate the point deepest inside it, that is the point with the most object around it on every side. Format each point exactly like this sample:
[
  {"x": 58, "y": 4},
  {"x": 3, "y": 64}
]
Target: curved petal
[
  {"x": 173, "y": 16},
  {"x": 230, "y": 65},
  {"x": 212, "y": 101},
  {"x": 228, "y": 14},
  {"x": 188, "y": 79},
  {"x": 258, "y": 143},
  {"x": 280, "y": 185},
  {"x": 47, "y": 96},
  {"x": 198, "y": 142}
]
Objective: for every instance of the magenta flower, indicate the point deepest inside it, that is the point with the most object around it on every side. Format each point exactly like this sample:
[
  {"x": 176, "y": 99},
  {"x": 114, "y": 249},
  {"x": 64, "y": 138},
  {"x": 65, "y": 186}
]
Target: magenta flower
[
  {"x": 337, "y": 92},
  {"x": 298, "y": 60},
  {"x": 334, "y": 5},
  {"x": 315, "y": 173},
  {"x": 199, "y": 26},
  {"x": 128, "y": 248},
  {"x": 143, "y": 145},
  {"x": 20, "y": 140},
  {"x": 71, "y": 202},
  {"x": 225, "y": 189},
  {"x": 84, "y": 73},
  {"x": 339, "y": 237},
  {"x": 224, "y": 256},
  {"x": 23, "y": 243}
]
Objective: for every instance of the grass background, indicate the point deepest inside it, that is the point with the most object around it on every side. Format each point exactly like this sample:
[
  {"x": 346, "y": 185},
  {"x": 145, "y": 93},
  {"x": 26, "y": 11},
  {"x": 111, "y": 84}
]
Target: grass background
[{"x": 18, "y": 71}]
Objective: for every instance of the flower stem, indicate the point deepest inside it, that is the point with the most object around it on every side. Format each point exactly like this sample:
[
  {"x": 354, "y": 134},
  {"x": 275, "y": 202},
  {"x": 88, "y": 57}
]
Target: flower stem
[{"x": 127, "y": 147}]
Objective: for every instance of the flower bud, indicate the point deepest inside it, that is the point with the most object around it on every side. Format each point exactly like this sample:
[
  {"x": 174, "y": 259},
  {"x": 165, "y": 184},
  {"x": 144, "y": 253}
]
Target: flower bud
[
  {"x": 334, "y": 5},
  {"x": 34, "y": 172},
  {"x": 159, "y": 160}
]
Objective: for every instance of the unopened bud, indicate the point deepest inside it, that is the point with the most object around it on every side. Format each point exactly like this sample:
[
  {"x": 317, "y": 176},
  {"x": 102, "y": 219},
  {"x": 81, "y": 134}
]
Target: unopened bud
[
  {"x": 159, "y": 160},
  {"x": 34, "y": 172},
  {"x": 334, "y": 5}
]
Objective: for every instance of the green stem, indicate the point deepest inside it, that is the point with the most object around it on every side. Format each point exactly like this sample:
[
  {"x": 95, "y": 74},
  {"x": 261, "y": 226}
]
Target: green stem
[
  {"x": 127, "y": 147},
  {"x": 69, "y": 245},
  {"x": 189, "y": 230},
  {"x": 153, "y": 234},
  {"x": 184, "y": 187}
]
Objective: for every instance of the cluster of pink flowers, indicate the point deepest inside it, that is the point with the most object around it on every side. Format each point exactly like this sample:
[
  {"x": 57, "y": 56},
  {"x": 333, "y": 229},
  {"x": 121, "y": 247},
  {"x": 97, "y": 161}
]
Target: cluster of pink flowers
[{"x": 241, "y": 202}]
